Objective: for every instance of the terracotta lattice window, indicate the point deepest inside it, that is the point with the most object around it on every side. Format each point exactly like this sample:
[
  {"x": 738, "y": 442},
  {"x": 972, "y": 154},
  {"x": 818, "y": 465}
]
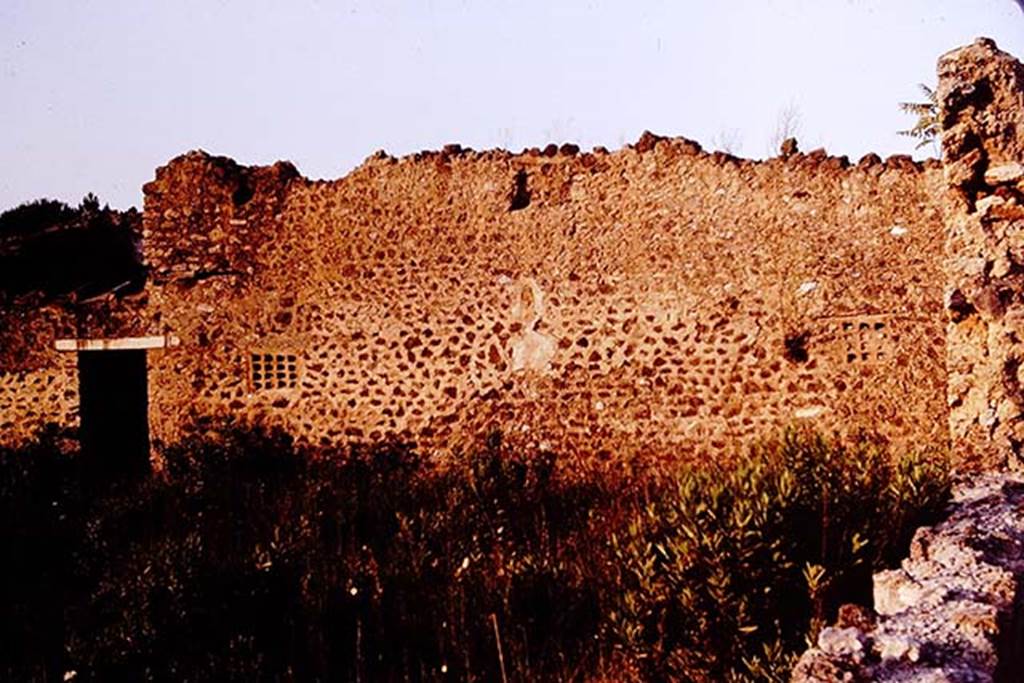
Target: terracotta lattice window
[
  {"x": 273, "y": 371},
  {"x": 865, "y": 340}
]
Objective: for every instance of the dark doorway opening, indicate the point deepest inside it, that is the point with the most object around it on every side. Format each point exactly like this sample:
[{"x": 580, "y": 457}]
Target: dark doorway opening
[{"x": 114, "y": 410}]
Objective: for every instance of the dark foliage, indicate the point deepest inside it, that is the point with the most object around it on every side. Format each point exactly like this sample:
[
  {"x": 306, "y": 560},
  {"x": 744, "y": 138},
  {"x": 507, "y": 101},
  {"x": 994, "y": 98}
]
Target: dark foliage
[
  {"x": 248, "y": 558},
  {"x": 49, "y": 247},
  {"x": 32, "y": 218},
  {"x": 38, "y": 516}
]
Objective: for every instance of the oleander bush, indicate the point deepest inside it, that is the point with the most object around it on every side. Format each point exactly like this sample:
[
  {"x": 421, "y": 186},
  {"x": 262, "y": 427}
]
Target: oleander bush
[
  {"x": 249, "y": 558},
  {"x": 723, "y": 572}
]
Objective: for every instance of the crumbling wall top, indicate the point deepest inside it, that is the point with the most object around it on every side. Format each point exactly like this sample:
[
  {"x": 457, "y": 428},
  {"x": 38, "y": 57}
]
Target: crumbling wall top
[
  {"x": 981, "y": 110},
  {"x": 203, "y": 214}
]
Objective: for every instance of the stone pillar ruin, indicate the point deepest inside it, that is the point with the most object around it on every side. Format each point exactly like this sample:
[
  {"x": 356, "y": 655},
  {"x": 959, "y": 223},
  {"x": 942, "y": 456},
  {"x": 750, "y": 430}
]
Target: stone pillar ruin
[{"x": 981, "y": 114}]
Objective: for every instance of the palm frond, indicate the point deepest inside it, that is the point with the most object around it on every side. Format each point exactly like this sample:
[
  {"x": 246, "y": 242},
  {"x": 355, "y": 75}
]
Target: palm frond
[
  {"x": 917, "y": 108},
  {"x": 928, "y": 128}
]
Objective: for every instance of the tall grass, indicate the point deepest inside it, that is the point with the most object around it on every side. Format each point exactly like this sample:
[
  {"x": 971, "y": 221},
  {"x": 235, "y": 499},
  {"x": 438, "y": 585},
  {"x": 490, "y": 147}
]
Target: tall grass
[{"x": 248, "y": 558}]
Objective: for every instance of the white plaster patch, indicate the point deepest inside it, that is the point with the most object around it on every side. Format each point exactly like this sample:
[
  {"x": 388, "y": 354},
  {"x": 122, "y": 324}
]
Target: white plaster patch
[
  {"x": 807, "y": 287},
  {"x": 532, "y": 351},
  {"x": 808, "y": 412},
  {"x": 528, "y": 305}
]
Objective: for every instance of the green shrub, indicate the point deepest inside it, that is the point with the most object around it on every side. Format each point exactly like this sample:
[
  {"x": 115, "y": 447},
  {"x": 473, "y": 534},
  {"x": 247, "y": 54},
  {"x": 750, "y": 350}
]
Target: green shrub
[{"x": 723, "y": 571}]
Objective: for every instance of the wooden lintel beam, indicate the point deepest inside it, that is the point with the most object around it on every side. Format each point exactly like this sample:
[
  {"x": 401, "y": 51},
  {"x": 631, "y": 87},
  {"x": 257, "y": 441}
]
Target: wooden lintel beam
[{"x": 118, "y": 343}]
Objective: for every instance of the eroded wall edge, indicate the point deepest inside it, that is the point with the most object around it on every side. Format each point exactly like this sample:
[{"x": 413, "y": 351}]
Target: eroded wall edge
[{"x": 981, "y": 96}]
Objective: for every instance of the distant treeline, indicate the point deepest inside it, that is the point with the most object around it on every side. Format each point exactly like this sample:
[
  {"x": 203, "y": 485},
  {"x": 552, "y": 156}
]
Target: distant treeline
[{"x": 56, "y": 250}]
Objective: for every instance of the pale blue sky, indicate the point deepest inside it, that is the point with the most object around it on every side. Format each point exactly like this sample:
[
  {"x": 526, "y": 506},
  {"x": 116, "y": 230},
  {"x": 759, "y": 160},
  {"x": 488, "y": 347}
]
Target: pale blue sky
[{"x": 94, "y": 94}]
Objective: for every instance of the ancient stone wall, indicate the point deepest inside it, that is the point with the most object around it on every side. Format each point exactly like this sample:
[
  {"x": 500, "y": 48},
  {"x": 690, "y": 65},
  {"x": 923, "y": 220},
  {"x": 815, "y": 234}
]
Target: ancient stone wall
[
  {"x": 38, "y": 384},
  {"x": 981, "y": 91},
  {"x": 657, "y": 299}
]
